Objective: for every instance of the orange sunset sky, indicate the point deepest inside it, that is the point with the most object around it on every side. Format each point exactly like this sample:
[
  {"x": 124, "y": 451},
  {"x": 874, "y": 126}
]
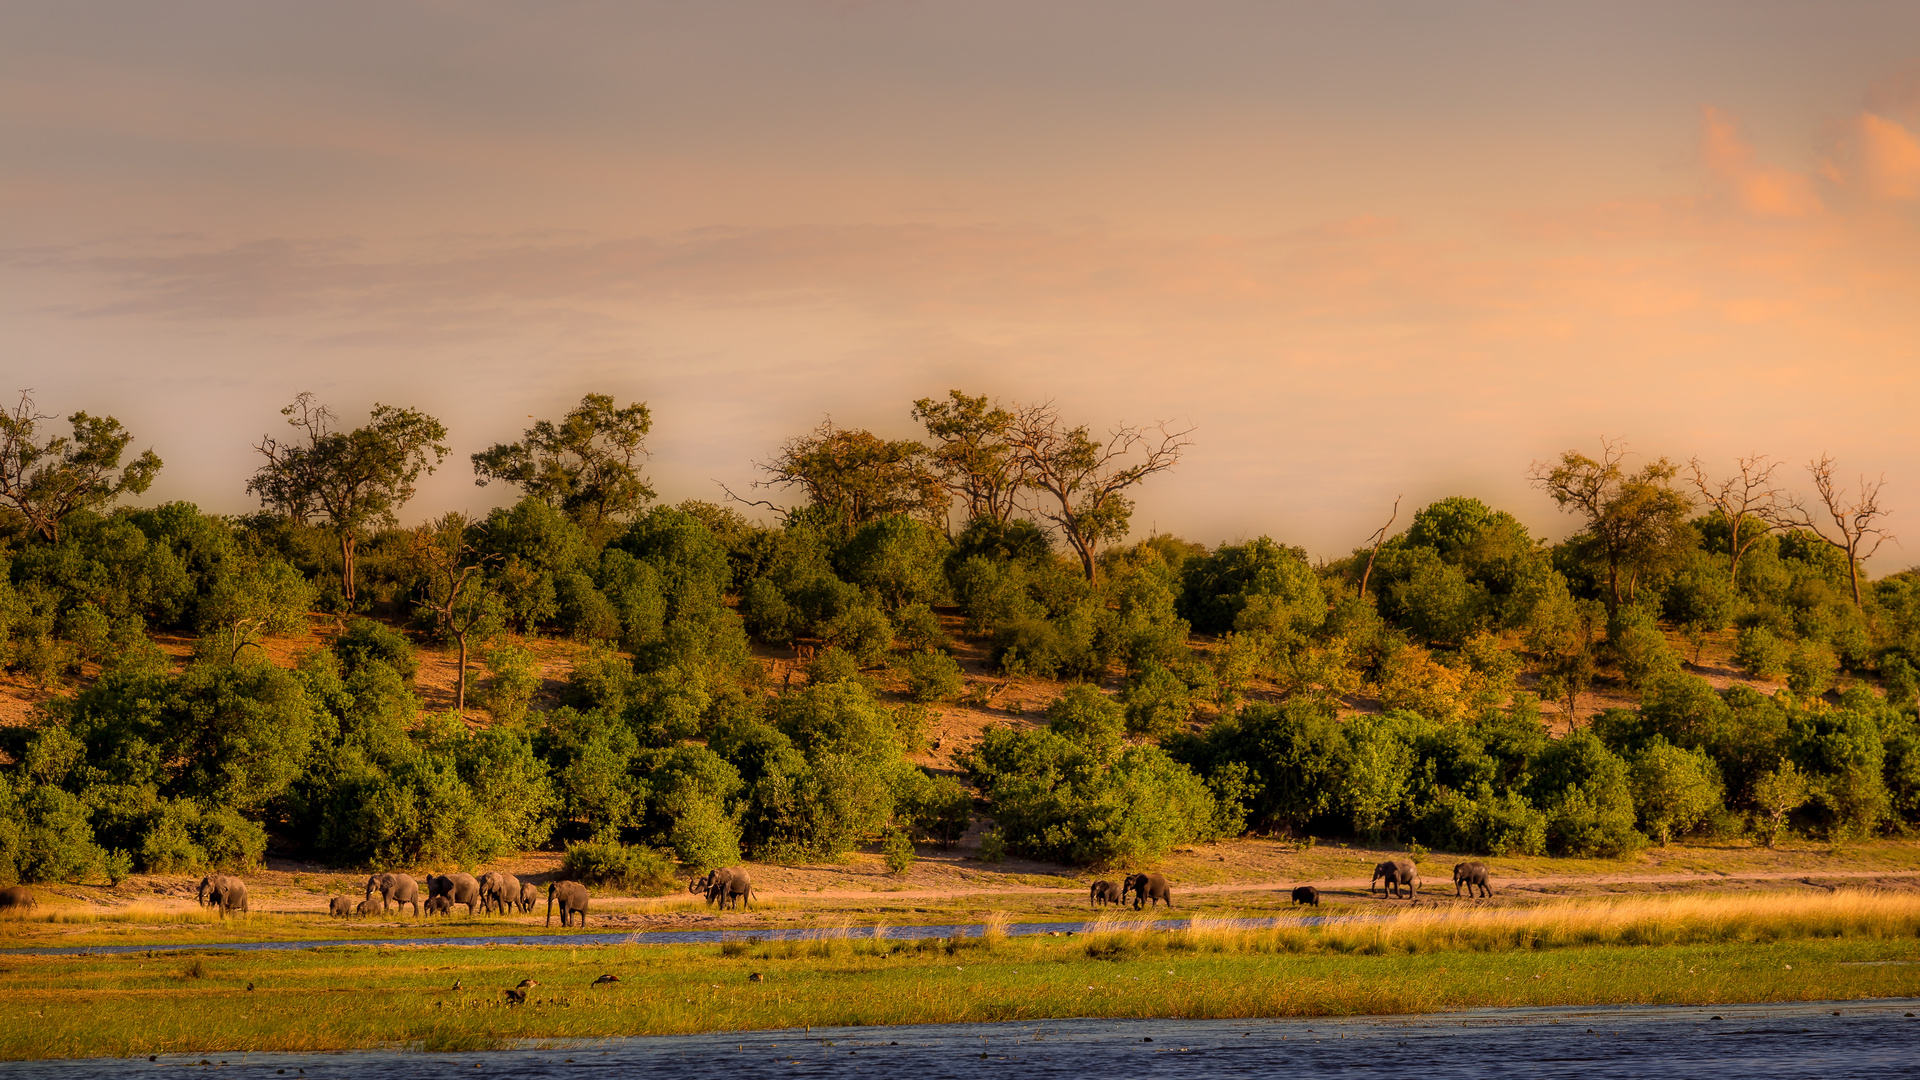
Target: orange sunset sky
[{"x": 1366, "y": 248}]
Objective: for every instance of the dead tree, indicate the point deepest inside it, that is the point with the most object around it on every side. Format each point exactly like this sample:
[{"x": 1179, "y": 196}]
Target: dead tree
[
  {"x": 1855, "y": 529},
  {"x": 1752, "y": 496}
]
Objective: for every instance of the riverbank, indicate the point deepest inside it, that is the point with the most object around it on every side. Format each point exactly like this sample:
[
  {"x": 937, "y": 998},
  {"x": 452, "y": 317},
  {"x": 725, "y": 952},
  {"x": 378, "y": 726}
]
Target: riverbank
[{"x": 1690, "y": 950}]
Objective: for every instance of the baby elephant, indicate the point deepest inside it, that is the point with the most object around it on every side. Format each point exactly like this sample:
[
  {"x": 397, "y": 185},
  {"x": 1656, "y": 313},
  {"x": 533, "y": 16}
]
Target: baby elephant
[
  {"x": 1306, "y": 894},
  {"x": 340, "y": 905},
  {"x": 1471, "y": 874},
  {"x": 369, "y": 906},
  {"x": 1103, "y": 892},
  {"x": 529, "y": 896},
  {"x": 439, "y": 905}
]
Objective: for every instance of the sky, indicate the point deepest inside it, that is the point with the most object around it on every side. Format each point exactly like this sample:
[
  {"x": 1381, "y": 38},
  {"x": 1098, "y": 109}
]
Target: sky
[{"x": 1367, "y": 250}]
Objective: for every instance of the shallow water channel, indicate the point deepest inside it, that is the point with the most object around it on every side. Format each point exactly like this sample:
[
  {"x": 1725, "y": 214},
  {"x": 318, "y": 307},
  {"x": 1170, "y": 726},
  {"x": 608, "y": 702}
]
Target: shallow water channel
[
  {"x": 678, "y": 937},
  {"x": 1746, "y": 1042}
]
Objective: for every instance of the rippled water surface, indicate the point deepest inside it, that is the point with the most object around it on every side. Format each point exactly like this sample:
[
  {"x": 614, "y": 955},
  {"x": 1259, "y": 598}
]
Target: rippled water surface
[{"x": 1743, "y": 1042}]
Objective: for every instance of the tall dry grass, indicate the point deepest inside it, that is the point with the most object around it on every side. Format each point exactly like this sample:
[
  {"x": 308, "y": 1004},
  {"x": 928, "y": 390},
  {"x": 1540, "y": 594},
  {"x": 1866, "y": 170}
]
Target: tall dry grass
[{"x": 1640, "y": 920}]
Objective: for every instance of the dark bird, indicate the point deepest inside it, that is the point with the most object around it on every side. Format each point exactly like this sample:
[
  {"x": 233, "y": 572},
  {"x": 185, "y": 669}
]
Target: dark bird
[
  {"x": 249, "y": 988},
  {"x": 457, "y": 986},
  {"x": 527, "y": 984},
  {"x": 605, "y": 979},
  {"x": 756, "y": 977},
  {"x": 516, "y": 997}
]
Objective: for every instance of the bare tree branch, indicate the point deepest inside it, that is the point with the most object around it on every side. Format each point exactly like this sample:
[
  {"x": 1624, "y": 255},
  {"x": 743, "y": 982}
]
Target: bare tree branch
[
  {"x": 1750, "y": 496},
  {"x": 1855, "y": 529},
  {"x": 1376, "y": 540}
]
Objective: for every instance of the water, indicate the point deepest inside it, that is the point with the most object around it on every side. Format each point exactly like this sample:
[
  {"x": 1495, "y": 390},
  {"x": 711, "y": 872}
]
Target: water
[
  {"x": 1750, "y": 1042},
  {"x": 669, "y": 937}
]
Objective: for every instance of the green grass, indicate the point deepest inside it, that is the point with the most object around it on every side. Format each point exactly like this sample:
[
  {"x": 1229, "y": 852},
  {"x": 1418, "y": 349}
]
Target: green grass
[{"x": 1636, "y": 952}]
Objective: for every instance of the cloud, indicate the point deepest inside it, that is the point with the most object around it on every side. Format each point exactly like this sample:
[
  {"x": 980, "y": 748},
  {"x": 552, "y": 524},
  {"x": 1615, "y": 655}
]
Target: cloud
[{"x": 1762, "y": 190}]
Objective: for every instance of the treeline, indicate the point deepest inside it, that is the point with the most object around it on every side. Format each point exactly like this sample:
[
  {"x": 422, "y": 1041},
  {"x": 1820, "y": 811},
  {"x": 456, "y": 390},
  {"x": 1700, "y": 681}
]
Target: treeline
[{"x": 669, "y": 733}]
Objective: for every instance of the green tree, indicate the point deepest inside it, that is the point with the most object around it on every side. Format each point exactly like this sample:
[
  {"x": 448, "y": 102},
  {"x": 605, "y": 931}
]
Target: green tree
[
  {"x": 356, "y": 479},
  {"x": 45, "y": 481},
  {"x": 586, "y": 465},
  {"x": 855, "y": 476},
  {"x": 1635, "y": 521},
  {"x": 1673, "y": 789},
  {"x": 458, "y": 593},
  {"x": 972, "y": 455},
  {"x": 1777, "y": 794}
]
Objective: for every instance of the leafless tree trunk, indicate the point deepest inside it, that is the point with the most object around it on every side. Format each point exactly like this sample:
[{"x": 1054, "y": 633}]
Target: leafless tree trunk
[
  {"x": 1378, "y": 539},
  {"x": 1750, "y": 496},
  {"x": 1856, "y": 528}
]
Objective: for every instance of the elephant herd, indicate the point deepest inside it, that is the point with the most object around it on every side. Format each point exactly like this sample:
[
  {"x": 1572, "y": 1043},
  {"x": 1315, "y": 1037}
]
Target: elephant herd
[
  {"x": 1150, "y": 889},
  {"x": 493, "y": 891}
]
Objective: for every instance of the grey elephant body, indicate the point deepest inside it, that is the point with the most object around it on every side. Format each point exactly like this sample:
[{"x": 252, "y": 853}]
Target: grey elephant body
[
  {"x": 16, "y": 898},
  {"x": 210, "y": 883},
  {"x": 1103, "y": 892},
  {"x": 499, "y": 891},
  {"x": 340, "y": 905},
  {"x": 367, "y": 907},
  {"x": 397, "y": 889},
  {"x": 730, "y": 885},
  {"x": 455, "y": 889},
  {"x": 229, "y": 894},
  {"x": 439, "y": 905},
  {"x": 529, "y": 896},
  {"x": 1472, "y": 875},
  {"x": 1150, "y": 889},
  {"x": 1394, "y": 873},
  {"x": 572, "y": 897},
  {"x": 1306, "y": 894}
]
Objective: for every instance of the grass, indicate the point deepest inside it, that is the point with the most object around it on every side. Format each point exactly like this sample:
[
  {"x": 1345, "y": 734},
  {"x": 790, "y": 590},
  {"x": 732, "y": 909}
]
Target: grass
[{"x": 1695, "y": 949}]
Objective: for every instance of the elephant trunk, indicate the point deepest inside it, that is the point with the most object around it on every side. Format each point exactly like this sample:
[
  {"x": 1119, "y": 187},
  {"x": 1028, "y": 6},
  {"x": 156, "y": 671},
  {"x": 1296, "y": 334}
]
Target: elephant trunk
[{"x": 549, "y": 905}]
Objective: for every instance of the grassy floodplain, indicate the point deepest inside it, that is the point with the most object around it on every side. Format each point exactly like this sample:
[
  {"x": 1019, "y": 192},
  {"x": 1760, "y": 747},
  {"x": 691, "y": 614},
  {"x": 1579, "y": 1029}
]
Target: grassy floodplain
[{"x": 1649, "y": 950}]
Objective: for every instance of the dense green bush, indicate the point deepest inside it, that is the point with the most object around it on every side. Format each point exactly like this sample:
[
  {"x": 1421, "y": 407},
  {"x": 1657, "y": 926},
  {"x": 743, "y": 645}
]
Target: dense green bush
[
  {"x": 640, "y": 871},
  {"x": 933, "y": 676}
]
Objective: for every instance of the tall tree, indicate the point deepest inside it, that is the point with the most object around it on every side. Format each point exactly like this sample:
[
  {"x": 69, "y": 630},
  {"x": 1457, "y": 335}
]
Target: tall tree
[
  {"x": 1635, "y": 520},
  {"x": 972, "y": 455},
  {"x": 47, "y": 481},
  {"x": 459, "y": 595},
  {"x": 1856, "y": 527},
  {"x": 1085, "y": 480},
  {"x": 1750, "y": 501},
  {"x": 355, "y": 478},
  {"x": 586, "y": 465},
  {"x": 857, "y": 476}
]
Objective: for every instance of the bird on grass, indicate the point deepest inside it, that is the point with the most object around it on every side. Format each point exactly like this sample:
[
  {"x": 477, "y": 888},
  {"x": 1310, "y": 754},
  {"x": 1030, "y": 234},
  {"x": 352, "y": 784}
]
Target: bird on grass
[
  {"x": 605, "y": 979},
  {"x": 457, "y": 986},
  {"x": 526, "y": 984},
  {"x": 516, "y": 997}
]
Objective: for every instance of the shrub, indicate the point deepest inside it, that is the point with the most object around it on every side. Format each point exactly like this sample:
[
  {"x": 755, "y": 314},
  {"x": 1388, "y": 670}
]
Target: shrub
[
  {"x": 934, "y": 807},
  {"x": 1811, "y": 668},
  {"x": 1760, "y": 652},
  {"x": 993, "y": 846},
  {"x": 834, "y": 665},
  {"x": 1157, "y": 703},
  {"x": 704, "y": 837},
  {"x": 933, "y": 676},
  {"x": 639, "y": 870},
  {"x": 863, "y": 631},
  {"x": 919, "y": 629},
  {"x": 898, "y": 850},
  {"x": 366, "y": 641},
  {"x": 514, "y": 682}
]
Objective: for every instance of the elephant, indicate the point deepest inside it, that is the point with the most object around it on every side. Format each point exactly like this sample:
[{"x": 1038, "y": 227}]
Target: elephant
[
  {"x": 1396, "y": 872},
  {"x": 367, "y": 908},
  {"x": 1146, "y": 888},
  {"x": 1471, "y": 874},
  {"x": 529, "y": 896},
  {"x": 1306, "y": 894},
  {"x": 499, "y": 891},
  {"x": 573, "y": 898},
  {"x": 439, "y": 905},
  {"x": 228, "y": 893},
  {"x": 210, "y": 883},
  {"x": 1103, "y": 892},
  {"x": 340, "y": 905},
  {"x": 729, "y": 885},
  {"x": 16, "y": 898},
  {"x": 397, "y": 889},
  {"x": 455, "y": 888}
]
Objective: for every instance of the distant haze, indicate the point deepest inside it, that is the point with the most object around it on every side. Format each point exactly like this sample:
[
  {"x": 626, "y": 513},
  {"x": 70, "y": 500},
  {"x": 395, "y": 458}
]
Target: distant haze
[{"x": 1368, "y": 249}]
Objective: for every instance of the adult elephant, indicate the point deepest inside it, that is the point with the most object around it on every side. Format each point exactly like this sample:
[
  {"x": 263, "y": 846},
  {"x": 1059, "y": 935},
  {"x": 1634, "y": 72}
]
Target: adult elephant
[
  {"x": 1103, "y": 892},
  {"x": 1150, "y": 889},
  {"x": 1472, "y": 875},
  {"x": 730, "y": 885},
  {"x": 1394, "y": 873},
  {"x": 396, "y": 889},
  {"x": 572, "y": 897},
  {"x": 529, "y": 896},
  {"x": 455, "y": 889},
  {"x": 499, "y": 891},
  {"x": 211, "y": 883},
  {"x": 229, "y": 895},
  {"x": 16, "y": 898},
  {"x": 340, "y": 905}
]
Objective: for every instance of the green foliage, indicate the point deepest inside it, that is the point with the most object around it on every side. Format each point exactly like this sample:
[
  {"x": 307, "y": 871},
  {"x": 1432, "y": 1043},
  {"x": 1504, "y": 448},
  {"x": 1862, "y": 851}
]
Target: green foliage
[
  {"x": 863, "y": 631},
  {"x": 898, "y": 560},
  {"x": 515, "y": 679},
  {"x": 993, "y": 846},
  {"x": 897, "y": 850},
  {"x": 1639, "y": 647},
  {"x": 934, "y": 808},
  {"x": 365, "y": 641},
  {"x": 1761, "y": 653},
  {"x": 640, "y": 871},
  {"x": 933, "y": 676},
  {"x": 1158, "y": 703},
  {"x": 833, "y": 665},
  {"x": 47, "y": 480},
  {"x": 1811, "y": 668},
  {"x": 918, "y": 628},
  {"x": 584, "y": 465},
  {"x": 1585, "y": 790},
  {"x": 1674, "y": 790},
  {"x": 1276, "y": 582}
]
